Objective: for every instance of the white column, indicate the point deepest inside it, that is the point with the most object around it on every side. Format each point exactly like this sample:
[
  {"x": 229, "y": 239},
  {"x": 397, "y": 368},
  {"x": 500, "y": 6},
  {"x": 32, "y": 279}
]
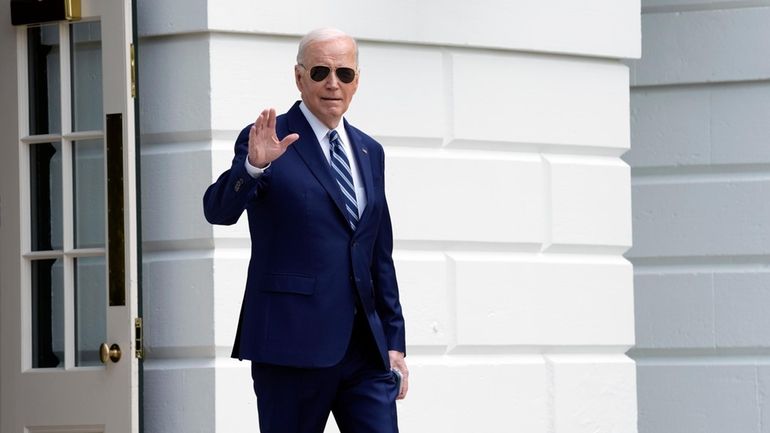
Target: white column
[
  {"x": 503, "y": 125},
  {"x": 700, "y": 155}
]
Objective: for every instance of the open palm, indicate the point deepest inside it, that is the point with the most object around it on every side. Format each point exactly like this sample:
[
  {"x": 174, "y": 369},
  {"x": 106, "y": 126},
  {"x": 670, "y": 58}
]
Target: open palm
[{"x": 264, "y": 146}]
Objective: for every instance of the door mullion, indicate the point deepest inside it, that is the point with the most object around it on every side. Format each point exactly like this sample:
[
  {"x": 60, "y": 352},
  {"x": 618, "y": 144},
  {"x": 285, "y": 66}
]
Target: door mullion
[
  {"x": 67, "y": 197},
  {"x": 68, "y": 256},
  {"x": 65, "y": 76},
  {"x": 69, "y": 312}
]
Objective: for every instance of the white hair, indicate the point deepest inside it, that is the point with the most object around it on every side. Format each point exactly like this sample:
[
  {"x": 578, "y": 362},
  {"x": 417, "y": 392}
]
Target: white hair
[{"x": 319, "y": 35}]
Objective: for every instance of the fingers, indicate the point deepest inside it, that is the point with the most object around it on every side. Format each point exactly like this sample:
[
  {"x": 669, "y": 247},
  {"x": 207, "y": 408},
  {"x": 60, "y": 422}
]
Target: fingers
[
  {"x": 254, "y": 138},
  {"x": 257, "y": 126},
  {"x": 262, "y": 120},
  {"x": 288, "y": 140},
  {"x": 270, "y": 118},
  {"x": 264, "y": 127},
  {"x": 404, "y": 383},
  {"x": 404, "y": 388},
  {"x": 397, "y": 362},
  {"x": 264, "y": 146}
]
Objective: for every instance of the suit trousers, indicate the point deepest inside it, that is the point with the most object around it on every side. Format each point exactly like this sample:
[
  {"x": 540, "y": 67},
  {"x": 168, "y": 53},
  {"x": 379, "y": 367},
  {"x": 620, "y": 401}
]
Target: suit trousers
[{"x": 358, "y": 391}]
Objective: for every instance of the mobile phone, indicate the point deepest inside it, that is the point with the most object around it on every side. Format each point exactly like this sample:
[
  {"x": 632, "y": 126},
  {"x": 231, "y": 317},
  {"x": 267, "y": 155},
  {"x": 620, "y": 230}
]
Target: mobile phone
[{"x": 397, "y": 377}]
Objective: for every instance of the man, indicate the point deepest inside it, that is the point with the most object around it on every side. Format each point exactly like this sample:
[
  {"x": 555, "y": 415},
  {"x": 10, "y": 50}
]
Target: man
[{"x": 321, "y": 318}]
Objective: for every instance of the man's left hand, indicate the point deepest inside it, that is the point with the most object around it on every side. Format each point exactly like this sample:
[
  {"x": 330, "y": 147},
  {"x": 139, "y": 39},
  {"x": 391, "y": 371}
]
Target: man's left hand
[{"x": 397, "y": 363}]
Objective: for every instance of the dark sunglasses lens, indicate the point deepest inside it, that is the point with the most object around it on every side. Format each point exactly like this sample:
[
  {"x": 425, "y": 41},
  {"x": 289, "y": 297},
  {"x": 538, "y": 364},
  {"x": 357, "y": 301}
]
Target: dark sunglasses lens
[
  {"x": 319, "y": 73},
  {"x": 346, "y": 75}
]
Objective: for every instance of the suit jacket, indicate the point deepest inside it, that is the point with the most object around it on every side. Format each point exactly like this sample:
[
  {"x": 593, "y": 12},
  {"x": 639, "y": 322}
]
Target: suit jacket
[{"x": 309, "y": 271}]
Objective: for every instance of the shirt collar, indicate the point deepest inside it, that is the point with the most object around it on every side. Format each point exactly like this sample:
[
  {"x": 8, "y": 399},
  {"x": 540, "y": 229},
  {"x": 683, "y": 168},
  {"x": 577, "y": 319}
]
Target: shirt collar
[{"x": 319, "y": 129}]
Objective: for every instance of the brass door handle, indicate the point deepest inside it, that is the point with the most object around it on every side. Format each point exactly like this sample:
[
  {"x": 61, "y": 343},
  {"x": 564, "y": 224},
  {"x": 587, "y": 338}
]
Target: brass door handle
[{"x": 112, "y": 353}]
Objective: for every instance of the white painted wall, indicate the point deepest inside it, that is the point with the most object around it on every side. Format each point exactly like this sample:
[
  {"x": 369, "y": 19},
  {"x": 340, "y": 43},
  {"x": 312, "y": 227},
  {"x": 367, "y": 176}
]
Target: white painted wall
[
  {"x": 503, "y": 125},
  {"x": 700, "y": 154}
]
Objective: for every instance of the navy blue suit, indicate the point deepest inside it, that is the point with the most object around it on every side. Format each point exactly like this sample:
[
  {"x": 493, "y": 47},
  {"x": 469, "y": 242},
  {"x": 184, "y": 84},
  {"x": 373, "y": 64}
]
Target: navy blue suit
[{"x": 310, "y": 274}]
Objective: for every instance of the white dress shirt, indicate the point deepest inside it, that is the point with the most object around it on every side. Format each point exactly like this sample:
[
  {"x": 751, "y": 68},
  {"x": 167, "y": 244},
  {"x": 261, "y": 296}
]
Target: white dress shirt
[{"x": 322, "y": 134}]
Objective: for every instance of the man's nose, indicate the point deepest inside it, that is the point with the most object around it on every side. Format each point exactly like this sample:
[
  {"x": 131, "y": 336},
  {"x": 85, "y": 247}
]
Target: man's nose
[{"x": 332, "y": 82}]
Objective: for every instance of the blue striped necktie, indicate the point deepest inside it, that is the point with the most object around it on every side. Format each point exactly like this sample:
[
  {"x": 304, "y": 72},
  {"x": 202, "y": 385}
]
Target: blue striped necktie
[{"x": 343, "y": 175}]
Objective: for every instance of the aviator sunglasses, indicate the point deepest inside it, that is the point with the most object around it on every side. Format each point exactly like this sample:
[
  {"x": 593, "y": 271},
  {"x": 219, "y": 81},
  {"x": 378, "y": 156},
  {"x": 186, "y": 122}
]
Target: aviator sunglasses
[{"x": 319, "y": 73}]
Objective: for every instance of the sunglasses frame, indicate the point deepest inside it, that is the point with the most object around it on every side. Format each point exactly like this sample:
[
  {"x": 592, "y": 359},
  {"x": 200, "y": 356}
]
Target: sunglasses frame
[{"x": 329, "y": 71}]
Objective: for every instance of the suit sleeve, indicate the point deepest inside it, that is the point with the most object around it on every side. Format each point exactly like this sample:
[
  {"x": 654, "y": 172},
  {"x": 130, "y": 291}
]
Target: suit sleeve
[
  {"x": 385, "y": 285},
  {"x": 226, "y": 199}
]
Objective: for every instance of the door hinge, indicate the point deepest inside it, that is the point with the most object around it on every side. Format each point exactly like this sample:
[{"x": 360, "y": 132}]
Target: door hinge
[
  {"x": 138, "y": 338},
  {"x": 133, "y": 72}
]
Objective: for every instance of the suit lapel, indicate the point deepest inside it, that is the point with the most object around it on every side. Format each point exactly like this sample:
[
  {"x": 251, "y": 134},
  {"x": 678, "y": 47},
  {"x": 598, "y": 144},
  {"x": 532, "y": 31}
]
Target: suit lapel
[
  {"x": 309, "y": 150},
  {"x": 364, "y": 163}
]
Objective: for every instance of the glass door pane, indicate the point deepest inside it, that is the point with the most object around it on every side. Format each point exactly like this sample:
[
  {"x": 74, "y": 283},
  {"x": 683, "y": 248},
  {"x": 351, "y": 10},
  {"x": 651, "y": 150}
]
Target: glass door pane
[
  {"x": 86, "y": 51},
  {"x": 46, "y": 196},
  {"x": 90, "y": 310},
  {"x": 47, "y": 313},
  {"x": 43, "y": 54},
  {"x": 88, "y": 193}
]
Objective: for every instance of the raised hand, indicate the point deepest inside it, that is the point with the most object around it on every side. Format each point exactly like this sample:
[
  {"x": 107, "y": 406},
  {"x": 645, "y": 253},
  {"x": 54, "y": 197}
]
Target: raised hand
[{"x": 264, "y": 146}]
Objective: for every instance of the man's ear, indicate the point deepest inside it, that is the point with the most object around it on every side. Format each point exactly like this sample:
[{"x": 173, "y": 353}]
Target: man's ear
[{"x": 298, "y": 77}]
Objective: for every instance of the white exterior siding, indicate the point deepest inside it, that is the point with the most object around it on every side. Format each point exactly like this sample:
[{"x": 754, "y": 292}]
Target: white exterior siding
[
  {"x": 700, "y": 104},
  {"x": 503, "y": 124}
]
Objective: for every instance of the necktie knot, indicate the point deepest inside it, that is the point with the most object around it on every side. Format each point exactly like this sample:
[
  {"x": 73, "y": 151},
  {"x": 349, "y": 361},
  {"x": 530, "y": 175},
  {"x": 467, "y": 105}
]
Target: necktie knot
[{"x": 334, "y": 138}]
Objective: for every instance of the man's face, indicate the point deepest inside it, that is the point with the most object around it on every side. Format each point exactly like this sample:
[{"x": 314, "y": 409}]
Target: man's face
[{"x": 329, "y": 98}]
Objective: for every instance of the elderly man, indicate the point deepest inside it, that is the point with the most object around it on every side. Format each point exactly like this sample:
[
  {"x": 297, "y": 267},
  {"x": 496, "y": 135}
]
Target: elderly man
[{"x": 321, "y": 318}]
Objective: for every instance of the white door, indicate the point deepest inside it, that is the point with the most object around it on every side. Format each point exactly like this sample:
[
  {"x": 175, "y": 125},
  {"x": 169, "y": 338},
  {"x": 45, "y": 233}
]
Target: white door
[{"x": 68, "y": 221}]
